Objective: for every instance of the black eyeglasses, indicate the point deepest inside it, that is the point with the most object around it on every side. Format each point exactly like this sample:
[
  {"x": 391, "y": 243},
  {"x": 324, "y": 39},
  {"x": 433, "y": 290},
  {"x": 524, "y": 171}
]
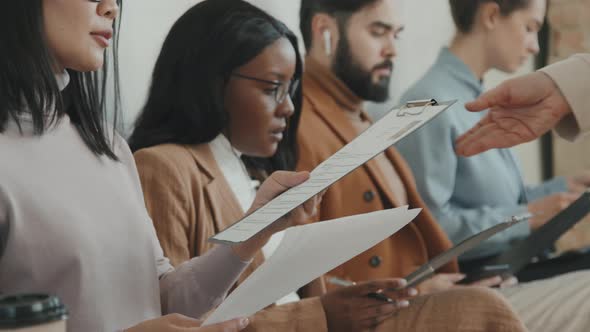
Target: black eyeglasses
[{"x": 282, "y": 89}]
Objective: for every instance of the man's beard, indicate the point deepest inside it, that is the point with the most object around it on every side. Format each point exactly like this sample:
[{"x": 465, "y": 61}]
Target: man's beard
[{"x": 359, "y": 81}]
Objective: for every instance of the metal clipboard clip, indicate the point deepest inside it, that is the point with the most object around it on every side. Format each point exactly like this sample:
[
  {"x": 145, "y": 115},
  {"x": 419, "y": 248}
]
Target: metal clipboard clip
[{"x": 412, "y": 107}]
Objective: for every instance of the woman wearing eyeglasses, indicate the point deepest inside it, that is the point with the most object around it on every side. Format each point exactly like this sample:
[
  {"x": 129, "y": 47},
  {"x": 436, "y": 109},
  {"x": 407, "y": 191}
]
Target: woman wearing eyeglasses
[{"x": 221, "y": 115}]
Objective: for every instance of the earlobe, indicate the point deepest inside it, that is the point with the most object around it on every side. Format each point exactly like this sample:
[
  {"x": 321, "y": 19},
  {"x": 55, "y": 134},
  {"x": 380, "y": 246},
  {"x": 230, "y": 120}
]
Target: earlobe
[{"x": 327, "y": 42}]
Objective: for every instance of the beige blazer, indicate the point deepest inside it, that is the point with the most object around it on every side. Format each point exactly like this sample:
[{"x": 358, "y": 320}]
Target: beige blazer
[{"x": 189, "y": 201}]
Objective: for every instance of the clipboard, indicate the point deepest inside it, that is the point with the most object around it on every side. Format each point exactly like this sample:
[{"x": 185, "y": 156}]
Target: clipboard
[
  {"x": 393, "y": 127},
  {"x": 429, "y": 269}
]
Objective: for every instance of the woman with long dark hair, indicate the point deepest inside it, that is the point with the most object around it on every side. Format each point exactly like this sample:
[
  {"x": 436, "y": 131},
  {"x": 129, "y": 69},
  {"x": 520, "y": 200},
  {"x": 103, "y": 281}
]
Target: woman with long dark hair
[
  {"x": 222, "y": 113},
  {"x": 197, "y": 66},
  {"x": 72, "y": 217}
]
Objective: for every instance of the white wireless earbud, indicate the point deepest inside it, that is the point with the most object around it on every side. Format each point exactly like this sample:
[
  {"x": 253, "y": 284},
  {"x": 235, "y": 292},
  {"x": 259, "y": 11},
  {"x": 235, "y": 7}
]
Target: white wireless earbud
[{"x": 327, "y": 42}]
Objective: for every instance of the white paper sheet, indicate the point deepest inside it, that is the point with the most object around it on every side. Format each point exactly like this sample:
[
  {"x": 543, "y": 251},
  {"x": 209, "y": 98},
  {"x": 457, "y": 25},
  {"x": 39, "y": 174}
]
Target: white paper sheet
[
  {"x": 384, "y": 133},
  {"x": 307, "y": 252}
]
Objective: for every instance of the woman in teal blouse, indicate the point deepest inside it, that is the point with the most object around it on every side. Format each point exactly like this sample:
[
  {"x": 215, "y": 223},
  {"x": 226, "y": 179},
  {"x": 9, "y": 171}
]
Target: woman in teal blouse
[{"x": 468, "y": 195}]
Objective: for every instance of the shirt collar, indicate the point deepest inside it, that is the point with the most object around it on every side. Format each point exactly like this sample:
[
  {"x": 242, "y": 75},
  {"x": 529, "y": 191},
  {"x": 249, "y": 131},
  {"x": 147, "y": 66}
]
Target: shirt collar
[
  {"x": 223, "y": 145},
  {"x": 457, "y": 68}
]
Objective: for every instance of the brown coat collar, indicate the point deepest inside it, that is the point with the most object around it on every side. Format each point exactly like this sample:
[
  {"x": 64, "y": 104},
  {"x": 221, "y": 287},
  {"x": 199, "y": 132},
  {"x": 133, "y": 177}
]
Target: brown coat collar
[{"x": 325, "y": 106}]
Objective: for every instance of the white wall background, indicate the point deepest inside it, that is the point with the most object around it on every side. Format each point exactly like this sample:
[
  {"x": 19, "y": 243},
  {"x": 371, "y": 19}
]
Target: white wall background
[{"x": 146, "y": 23}]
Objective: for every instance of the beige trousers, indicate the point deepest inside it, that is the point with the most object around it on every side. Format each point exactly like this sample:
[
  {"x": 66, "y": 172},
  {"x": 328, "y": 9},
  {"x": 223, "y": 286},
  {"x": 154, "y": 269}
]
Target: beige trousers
[{"x": 561, "y": 303}]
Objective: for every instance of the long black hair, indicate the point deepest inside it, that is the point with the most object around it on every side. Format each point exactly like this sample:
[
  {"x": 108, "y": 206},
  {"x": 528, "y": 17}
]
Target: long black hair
[
  {"x": 186, "y": 98},
  {"x": 28, "y": 83}
]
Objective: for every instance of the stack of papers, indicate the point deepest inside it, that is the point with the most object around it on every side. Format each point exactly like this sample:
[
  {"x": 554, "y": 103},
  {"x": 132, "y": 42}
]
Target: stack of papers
[{"x": 306, "y": 253}]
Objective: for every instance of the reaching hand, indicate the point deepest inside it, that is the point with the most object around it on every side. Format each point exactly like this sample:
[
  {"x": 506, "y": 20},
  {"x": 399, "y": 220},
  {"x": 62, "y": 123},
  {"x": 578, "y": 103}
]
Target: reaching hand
[{"x": 520, "y": 110}]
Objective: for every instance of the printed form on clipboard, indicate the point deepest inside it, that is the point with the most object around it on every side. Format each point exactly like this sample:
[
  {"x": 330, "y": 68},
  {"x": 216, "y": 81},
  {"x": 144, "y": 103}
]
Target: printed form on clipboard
[{"x": 390, "y": 129}]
